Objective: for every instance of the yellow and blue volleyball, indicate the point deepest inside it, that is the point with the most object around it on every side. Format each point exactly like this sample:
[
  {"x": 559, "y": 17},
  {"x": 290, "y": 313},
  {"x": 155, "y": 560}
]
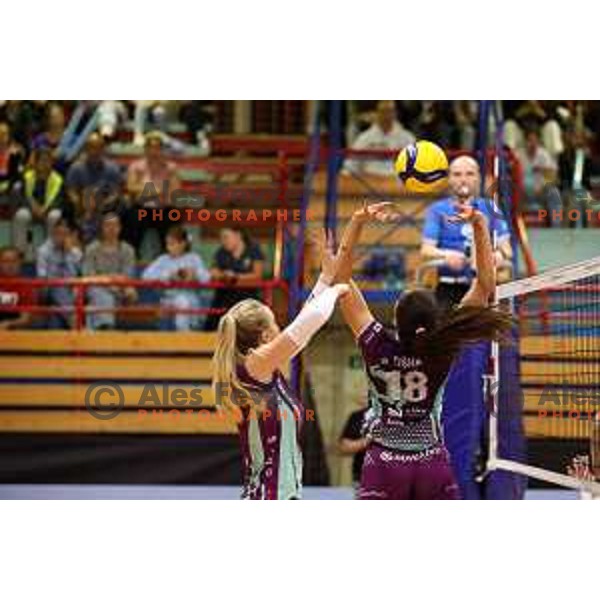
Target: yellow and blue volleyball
[{"x": 423, "y": 168}]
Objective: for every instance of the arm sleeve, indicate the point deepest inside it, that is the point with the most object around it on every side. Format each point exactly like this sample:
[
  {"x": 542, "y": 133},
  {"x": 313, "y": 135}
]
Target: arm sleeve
[
  {"x": 372, "y": 341},
  {"x": 312, "y": 317},
  {"x": 319, "y": 288}
]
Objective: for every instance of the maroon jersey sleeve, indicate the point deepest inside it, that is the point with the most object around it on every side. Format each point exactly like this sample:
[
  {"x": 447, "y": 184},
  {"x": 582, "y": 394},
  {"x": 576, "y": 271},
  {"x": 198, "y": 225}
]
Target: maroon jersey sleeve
[{"x": 373, "y": 342}]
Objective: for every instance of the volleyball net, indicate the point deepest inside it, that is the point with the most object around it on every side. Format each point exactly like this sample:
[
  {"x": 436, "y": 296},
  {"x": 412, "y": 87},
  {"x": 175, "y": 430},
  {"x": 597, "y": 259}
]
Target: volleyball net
[{"x": 558, "y": 367}]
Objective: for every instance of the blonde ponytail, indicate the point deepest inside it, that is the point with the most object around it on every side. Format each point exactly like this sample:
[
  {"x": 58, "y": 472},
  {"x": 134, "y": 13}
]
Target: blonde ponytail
[{"x": 239, "y": 330}]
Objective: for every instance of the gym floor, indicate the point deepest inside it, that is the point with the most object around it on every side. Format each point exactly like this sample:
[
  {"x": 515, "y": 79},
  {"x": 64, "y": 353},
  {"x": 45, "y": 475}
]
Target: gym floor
[{"x": 185, "y": 492}]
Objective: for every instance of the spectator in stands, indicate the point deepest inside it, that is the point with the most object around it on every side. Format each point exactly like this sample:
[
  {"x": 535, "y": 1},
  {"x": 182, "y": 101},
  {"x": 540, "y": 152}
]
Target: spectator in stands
[
  {"x": 179, "y": 263},
  {"x": 158, "y": 113},
  {"x": 43, "y": 195},
  {"x": 110, "y": 257},
  {"x": 14, "y": 294},
  {"x": 26, "y": 118},
  {"x": 574, "y": 172},
  {"x": 238, "y": 260},
  {"x": 465, "y": 117},
  {"x": 544, "y": 117},
  {"x": 53, "y": 132},
  {"x": 151, "y": 182},
  {"x": 11, "y": 160},
  {"x": 197, "y": 116},
  {"x": 90, "y": 174},
  {"x": 59, "y": 258},
  {"x": 451, "y": 242},
  {"x": 436, "y": 122},
  {"x": 539, "y": 173},
  {"x": 386, "y": 133}
]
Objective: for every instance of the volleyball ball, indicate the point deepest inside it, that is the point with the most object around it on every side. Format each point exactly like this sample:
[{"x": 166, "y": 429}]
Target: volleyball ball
[{"x": 423, "y": 168}]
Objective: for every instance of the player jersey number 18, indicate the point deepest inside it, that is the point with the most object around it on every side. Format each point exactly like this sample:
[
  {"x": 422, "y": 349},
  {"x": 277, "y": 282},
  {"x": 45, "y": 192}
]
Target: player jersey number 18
[{"x": 408, "y": 387}]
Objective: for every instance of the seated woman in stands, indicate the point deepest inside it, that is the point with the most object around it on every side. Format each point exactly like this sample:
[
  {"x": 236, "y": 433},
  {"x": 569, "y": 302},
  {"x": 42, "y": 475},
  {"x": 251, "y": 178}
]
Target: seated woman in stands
[
  {"x": 238, "y": 260},
  {"x": 179, "y": 263}
]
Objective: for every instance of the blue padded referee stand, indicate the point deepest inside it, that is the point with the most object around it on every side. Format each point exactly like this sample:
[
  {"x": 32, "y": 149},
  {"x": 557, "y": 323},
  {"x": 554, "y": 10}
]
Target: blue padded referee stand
[
  {"x": 465, "y": 423},
  {"x": 463, "y": 418}
]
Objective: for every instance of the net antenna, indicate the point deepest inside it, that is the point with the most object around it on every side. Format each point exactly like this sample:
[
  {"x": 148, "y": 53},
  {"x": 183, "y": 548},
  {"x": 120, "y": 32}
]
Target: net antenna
[{"x": 560, "y": 373}]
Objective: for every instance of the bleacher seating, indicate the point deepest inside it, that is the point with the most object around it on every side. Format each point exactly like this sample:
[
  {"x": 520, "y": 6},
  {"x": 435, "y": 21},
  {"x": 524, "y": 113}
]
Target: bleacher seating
[
  {"x": 542, "y": 363},
  {"x": 45, "y": 375}
]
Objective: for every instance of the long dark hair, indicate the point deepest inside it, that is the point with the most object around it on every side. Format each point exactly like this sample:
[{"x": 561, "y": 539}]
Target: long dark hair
[{"x": 444, "y": 333}]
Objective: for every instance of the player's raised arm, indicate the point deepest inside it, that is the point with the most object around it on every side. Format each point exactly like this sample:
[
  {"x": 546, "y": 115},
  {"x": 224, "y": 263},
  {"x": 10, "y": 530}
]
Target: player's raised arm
[
  {"x": 317, "y": 310},
  {"x": 484, "y": 284},
  {"x": 351, "y": 235},
  {"x": 354, "y": 308}
]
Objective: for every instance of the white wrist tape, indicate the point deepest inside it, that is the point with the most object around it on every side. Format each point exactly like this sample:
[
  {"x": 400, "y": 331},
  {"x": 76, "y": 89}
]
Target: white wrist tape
[
  {"x": 312, "y": 317},
  {"x": 319, "y": 288}
]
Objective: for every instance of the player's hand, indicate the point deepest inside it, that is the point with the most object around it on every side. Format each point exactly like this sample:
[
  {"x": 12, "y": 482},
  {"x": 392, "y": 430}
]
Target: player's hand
[
  {"x": 465, "y": 213},
  {"x": 329, "y": 263},
  {"x": 384, "y": 212}
]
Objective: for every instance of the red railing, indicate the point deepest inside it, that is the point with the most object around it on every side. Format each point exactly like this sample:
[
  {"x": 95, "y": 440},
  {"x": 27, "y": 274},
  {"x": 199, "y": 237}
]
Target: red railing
[{"x": 81, "y": 284}]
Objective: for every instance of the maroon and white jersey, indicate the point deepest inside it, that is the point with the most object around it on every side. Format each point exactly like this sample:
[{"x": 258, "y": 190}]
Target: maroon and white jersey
[
  {"x": 405, "y": 391},
  {"x": 270, "y": 440}
]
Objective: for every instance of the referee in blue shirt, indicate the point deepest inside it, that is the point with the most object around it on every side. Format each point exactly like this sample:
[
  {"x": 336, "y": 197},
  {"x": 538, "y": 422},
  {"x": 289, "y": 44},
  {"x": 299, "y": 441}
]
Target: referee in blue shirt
[{"x": 452, "y": 241}]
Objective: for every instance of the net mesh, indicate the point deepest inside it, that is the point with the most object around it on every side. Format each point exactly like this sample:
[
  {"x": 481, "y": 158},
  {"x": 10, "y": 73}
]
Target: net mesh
[{"x": 558, "y": 371}]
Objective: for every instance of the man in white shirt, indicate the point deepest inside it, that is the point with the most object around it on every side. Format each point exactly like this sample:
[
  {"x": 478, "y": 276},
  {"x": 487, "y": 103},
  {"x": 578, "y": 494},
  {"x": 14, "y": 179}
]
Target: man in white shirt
[{"x": 386, "y": 133}]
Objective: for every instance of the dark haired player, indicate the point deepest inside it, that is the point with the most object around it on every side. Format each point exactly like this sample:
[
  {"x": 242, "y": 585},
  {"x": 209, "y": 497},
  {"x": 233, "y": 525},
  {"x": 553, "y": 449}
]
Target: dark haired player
[{"x": 407, "y": 370}]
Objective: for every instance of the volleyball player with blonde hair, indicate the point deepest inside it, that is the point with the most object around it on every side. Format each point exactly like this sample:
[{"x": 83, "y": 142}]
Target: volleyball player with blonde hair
[{"x": 251, "y": 351}]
